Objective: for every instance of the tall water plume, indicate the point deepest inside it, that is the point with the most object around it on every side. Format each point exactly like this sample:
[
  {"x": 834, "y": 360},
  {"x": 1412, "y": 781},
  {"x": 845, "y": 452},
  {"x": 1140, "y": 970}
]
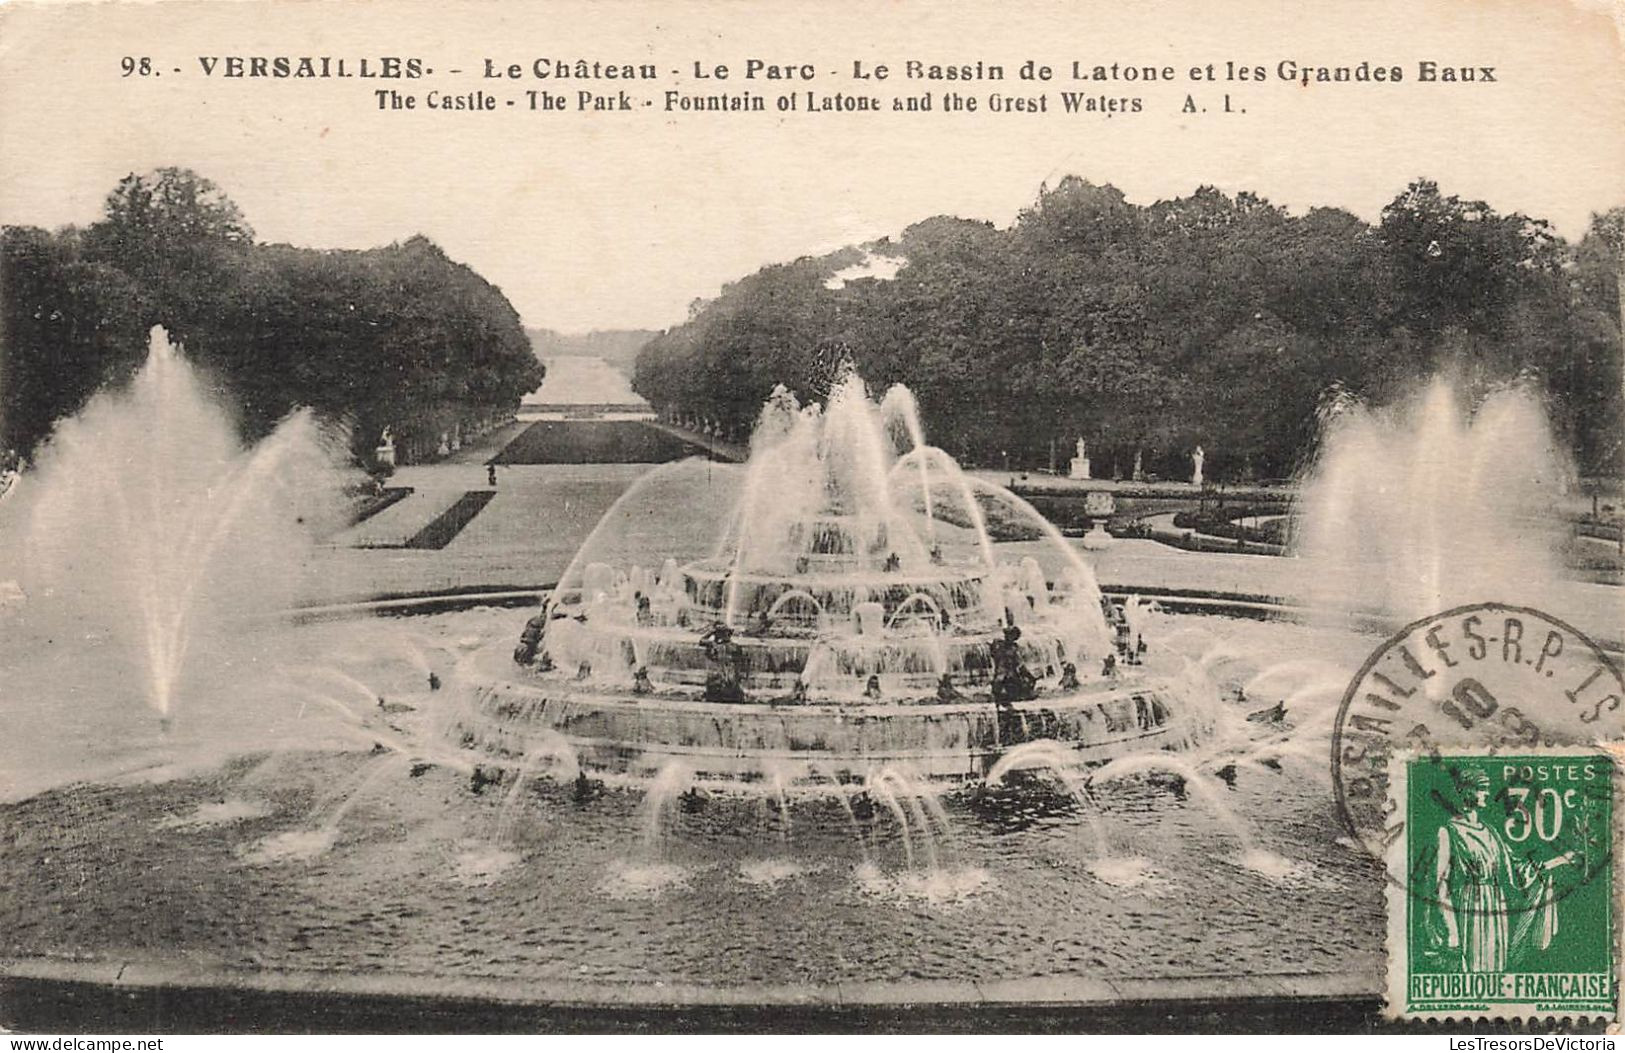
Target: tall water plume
[
  {"x": 149, "y": 524},
  {"x": 1417, "y": 507}
]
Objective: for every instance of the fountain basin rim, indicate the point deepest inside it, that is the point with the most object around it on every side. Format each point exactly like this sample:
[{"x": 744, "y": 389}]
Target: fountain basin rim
[
  {"x": 744, "y": 637},
  {"x": 940, "y": 574},
  {"x": 512, "y": 713},
  {"x": 435, "y": 601},
  {"x": 131, "y": 975},
  {"x": 1179, "y": 601},
  {"x": 623, "y": 699}
]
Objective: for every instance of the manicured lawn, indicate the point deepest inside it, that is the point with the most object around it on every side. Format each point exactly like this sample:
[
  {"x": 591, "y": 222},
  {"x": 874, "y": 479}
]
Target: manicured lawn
[{"x": 448, "y": 524}]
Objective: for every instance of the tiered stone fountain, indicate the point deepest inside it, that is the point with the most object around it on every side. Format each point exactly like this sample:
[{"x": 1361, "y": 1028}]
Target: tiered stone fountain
[{"x": 853, "y": 616}]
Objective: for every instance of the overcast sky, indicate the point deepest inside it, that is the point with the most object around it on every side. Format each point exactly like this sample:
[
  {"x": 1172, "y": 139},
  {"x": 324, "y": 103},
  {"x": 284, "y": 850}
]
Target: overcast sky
[{"x": 622, "y": 220}]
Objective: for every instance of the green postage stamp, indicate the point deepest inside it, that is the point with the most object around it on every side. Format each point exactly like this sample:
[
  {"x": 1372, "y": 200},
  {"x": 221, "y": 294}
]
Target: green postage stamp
[{"x": 1503, "y": 901}]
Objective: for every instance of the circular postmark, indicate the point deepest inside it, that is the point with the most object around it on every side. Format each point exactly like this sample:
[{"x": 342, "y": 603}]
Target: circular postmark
[{"x": 1490, "y": 702}]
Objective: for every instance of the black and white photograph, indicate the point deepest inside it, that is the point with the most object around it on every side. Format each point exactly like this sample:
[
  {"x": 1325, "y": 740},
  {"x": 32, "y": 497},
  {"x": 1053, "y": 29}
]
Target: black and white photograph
[{"x": 790, "y": 517}]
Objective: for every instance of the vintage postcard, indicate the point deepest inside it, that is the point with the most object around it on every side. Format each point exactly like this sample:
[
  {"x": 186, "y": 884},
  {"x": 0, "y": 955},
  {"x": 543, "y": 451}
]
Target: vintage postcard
[{"x": 811, "y": 516}]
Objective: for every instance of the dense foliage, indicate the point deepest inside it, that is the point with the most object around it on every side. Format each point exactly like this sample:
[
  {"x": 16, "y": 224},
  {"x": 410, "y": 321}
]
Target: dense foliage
[
  {"x": 1213, "y": 320},
  {"x": 398, "y": 336}
]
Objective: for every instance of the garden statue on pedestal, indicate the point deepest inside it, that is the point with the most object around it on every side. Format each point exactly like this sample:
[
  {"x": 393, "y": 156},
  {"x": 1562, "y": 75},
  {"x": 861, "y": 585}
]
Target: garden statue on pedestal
[
  {"x": 1080, "y": 462},
  {"x": 385, "y": 451}
]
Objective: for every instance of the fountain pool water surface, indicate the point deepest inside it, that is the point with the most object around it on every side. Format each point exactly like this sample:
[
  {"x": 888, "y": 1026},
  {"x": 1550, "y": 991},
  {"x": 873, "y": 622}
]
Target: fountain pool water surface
[{"x": 384, "y": 849}]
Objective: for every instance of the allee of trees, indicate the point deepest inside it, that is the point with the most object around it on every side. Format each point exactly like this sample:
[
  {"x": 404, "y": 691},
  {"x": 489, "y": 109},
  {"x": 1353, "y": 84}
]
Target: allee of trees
[
  {"x": 1213, "y": 320},
  {"x": 399, "y": 336}
]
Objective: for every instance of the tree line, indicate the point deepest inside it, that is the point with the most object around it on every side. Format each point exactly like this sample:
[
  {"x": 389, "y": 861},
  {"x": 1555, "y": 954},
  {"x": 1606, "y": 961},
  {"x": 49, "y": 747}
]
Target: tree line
[
  {"x": 399, "y": 337},
  {"x": 1211, "y": 320}
]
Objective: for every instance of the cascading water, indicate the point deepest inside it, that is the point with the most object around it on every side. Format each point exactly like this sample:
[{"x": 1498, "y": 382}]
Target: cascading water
[
  {"x": 866, "y": 595},
  {"x": 855, "y": 569},
  {"x": 899, "y": 407},
  {"x": 1047, "y": 754}
]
